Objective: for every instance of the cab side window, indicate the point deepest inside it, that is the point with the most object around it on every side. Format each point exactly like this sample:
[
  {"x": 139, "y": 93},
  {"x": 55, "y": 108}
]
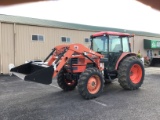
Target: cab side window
[
  {"x": 115, "y": 44},
  {"x": 125, "y": 44}
]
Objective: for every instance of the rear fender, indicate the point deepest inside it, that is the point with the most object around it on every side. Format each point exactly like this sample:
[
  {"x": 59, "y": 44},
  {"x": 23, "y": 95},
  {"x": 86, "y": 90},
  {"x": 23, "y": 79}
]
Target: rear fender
[{"x": 123, "y": 55}]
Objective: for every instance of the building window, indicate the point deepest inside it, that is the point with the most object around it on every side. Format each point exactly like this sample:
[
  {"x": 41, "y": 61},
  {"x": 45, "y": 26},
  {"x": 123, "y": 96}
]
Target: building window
[
  {"x": 86, "y": 40},
  {"x": 37, "y": 37},
  {"x": 65, "y": 39}
]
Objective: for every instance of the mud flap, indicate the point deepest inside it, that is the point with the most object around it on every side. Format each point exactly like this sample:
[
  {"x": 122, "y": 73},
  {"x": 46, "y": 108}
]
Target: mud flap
[{"x": 35, "y": 73}]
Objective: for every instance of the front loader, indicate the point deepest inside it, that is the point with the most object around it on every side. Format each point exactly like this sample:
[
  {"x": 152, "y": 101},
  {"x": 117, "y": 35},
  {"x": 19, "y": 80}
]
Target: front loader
[{"x": 74, "y": 65}]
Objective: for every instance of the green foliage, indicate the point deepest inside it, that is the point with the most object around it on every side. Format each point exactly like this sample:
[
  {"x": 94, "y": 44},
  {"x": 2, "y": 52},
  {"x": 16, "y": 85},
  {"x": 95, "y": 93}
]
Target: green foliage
[{"x": 139, "y": 54}]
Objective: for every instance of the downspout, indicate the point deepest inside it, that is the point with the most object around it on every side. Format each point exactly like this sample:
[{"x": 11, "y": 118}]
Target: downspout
[
  {"x": 0, "y": 48},
  {"x": 133, "y": 43},
  {"x": 14, "y": 43}
]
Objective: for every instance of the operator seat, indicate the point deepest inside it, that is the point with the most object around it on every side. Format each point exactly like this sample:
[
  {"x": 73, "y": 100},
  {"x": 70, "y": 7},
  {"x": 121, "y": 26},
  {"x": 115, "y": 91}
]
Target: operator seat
[{"x": 117, "y": 48}]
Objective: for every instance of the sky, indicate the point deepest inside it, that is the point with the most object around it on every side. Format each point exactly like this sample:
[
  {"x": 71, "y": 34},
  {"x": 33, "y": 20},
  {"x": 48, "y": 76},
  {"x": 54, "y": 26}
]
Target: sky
[{"x": 125, "y": 14}]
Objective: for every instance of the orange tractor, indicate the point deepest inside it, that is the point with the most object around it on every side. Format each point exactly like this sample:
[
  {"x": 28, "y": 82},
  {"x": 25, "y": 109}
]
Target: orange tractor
[{"x": 74, "y": 65}]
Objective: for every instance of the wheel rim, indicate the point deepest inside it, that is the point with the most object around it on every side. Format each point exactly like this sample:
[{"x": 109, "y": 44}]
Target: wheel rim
[
  {"x": 136, "y": 73},
  {"x": 70, "y": 82},
  {"x": 94, "y": 84}
]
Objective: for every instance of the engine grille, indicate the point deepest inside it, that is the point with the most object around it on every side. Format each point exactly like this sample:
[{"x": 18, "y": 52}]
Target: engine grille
[{"x": 74, "y": 61}]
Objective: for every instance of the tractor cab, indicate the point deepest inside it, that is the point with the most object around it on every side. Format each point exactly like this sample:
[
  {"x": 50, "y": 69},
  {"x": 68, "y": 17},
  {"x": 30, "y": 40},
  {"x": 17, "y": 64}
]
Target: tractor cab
[{"x": 111, "y": 45}]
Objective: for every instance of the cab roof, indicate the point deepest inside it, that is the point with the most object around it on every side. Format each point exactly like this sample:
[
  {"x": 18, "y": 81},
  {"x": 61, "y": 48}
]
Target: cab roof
[{"x": 111, "y": 33}]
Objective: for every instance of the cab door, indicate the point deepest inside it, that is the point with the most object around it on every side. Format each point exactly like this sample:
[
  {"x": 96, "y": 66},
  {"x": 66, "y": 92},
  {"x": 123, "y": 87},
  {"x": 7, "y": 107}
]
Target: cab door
[{"x": 115, "y": 50}]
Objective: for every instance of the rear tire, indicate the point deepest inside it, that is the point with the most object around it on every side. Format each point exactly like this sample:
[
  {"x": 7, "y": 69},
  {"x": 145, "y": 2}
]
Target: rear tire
[
  {"x": 131, "y": 73},
  {"x": 90, "y": 84},
  {"x": 66, "y": 85}
]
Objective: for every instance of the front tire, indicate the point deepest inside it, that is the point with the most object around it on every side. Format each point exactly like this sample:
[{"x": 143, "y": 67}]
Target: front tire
[
  {"x": 65, "y": 84},
  {"x": 131, "y": 73},
  {"x": 90, "y": 84}
]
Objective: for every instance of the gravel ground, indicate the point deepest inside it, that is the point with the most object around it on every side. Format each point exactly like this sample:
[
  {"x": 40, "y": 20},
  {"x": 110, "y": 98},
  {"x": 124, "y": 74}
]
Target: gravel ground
[{"x": 21, "y": 100}]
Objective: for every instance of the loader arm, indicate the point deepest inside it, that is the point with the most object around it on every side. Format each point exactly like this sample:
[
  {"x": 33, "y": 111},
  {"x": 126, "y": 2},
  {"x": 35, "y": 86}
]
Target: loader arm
[
  {"x": 43, "y": 73},
  {"x": 62, "y": 53}
]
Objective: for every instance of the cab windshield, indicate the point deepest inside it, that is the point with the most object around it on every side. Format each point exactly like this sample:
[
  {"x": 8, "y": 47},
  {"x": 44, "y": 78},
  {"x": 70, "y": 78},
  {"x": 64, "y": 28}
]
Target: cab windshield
[
  {"x": 103, "y": 44},
  {"x": 100, "y": 44}
]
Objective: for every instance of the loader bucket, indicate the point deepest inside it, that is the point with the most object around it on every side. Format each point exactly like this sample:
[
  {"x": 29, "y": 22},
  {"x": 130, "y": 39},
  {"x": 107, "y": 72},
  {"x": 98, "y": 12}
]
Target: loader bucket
[{"x": 33, "y": 72}]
